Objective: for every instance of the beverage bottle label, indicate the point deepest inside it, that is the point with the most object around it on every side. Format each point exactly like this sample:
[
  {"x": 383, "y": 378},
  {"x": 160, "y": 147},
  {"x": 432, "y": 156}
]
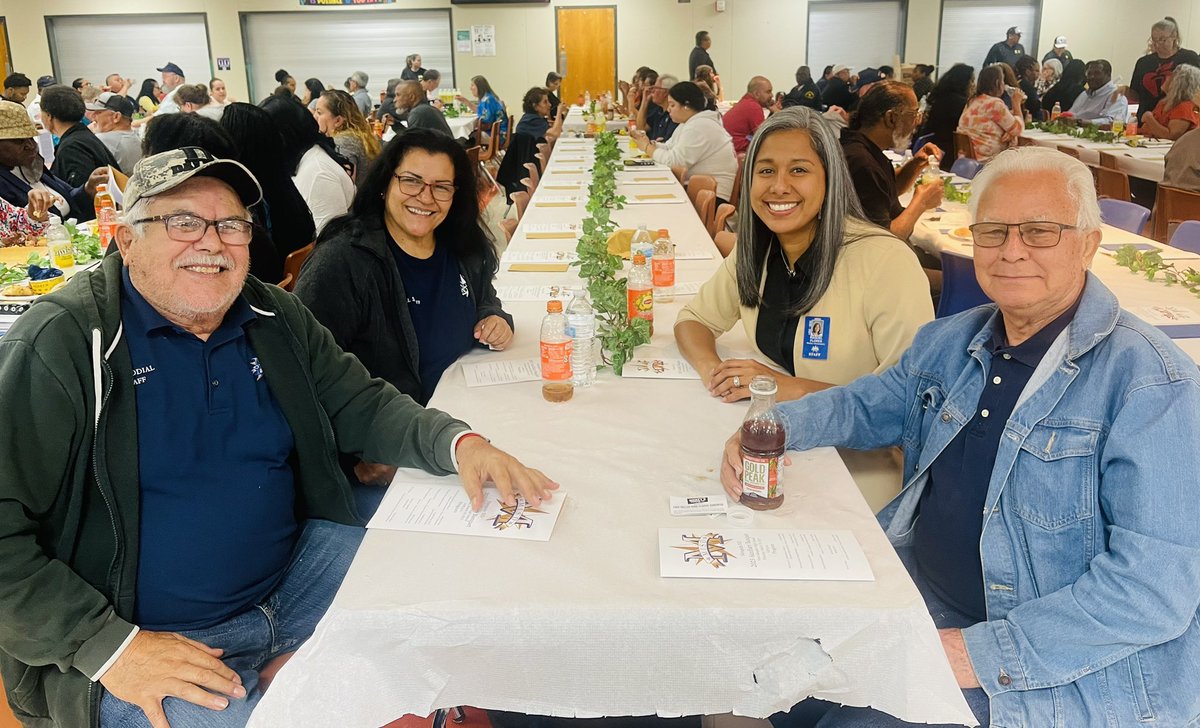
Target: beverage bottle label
[
  {"x": 641, "y": 303},
  {"x": 760, "y": 475},
  {"x": 556, "y": 361},
  {"x": 664, "y": 272}
]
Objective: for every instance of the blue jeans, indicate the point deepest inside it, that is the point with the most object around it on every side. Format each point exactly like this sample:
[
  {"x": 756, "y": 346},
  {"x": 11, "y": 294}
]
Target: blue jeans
[
  {"x": 278, "y": 624},
  {"x": 813, "y": 713}
]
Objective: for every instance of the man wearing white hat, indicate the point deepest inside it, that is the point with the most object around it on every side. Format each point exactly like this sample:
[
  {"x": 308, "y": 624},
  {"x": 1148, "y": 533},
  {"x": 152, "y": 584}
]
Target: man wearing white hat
[
  {"x": 1007, "y": 50},
  {"x": 837, "y": 92},
  {"x": 1059, "y": 52}
]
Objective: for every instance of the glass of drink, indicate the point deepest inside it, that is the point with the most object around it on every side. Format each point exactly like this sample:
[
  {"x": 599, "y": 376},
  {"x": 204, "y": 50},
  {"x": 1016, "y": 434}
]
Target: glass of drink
[{"x": 763, "y": 443}]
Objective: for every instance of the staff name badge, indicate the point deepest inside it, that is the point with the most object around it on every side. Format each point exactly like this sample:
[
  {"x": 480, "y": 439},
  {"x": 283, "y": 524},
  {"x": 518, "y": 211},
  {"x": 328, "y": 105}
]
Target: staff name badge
[{"x": 816, "y": 337}]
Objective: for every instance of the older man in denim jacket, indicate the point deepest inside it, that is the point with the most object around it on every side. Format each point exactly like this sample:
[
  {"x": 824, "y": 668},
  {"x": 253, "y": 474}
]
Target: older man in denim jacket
[{"x": 1051, "y": 510}]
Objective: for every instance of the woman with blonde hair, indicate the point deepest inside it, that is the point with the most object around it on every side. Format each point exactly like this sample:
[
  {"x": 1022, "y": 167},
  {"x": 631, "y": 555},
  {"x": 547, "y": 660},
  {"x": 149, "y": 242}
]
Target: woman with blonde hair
[
  {"x": 339, "y": 118},
  {"x": 1176, "y": 114},
  {"x": 1148, "y": 84}
]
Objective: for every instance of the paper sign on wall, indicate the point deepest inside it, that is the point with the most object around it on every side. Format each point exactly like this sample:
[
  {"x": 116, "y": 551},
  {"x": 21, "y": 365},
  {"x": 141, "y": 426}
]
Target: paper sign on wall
[
  {"x": 483, "y": 40},
  {"x": 462, "y": 41}
]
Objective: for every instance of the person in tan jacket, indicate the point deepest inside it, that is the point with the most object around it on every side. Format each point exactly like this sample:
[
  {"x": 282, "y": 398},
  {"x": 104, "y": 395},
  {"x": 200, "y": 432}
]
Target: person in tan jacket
[{"x": 823, "y": 295}]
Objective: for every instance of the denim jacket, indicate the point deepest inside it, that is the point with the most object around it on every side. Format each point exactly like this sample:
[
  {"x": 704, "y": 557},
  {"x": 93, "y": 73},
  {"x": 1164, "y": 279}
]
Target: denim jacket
[{"x": 1091, "y": 528}]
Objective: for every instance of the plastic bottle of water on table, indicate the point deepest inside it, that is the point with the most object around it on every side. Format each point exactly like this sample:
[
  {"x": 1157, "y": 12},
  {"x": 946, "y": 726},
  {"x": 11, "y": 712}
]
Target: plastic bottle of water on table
[
  {"x": 581, "y": 327},
  {"x": 642, "y": 244}
]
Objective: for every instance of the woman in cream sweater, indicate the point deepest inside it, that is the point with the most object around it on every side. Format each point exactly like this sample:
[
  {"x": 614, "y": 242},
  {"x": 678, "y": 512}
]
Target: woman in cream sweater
[{"x": 821, "y": 293}]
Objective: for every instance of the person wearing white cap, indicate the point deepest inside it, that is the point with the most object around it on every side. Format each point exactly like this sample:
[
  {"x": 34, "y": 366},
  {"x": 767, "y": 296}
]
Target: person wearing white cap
[
  {"x": 1059, "y": 51},
  {"x": 837, "y": 92},
  {"x": 1007, "y": 50}
]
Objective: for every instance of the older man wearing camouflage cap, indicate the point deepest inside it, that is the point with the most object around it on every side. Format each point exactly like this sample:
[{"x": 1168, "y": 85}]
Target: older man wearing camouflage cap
[{"x": 175, "y": 516}]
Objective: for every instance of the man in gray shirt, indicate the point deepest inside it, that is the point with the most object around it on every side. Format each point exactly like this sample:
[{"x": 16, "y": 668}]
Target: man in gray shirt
[{"x": 112, "y": 114}]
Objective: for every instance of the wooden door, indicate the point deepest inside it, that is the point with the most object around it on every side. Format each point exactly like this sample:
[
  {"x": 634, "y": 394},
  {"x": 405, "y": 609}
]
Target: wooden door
[
  {"x": 587, "y": 50},
  {"x": 5, "y": 51}
]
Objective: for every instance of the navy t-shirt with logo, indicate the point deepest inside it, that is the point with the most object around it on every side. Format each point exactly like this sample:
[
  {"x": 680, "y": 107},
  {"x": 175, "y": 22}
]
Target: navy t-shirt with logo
[
  {"x": 442, "y": 310},
  {"x": 217, "y": 523}
]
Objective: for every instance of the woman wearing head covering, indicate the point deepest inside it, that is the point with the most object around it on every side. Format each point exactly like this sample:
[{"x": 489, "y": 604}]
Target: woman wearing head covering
[{"x": 821, "y": 293}]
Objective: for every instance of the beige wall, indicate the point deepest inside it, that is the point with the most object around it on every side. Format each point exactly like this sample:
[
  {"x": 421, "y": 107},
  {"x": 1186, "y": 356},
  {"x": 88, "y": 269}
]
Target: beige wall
[{"x": 751, "y": 37}]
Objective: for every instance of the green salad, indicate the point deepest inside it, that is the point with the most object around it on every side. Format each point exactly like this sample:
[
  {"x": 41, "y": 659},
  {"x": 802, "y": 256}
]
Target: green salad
[{"x": 87, "y": 246}]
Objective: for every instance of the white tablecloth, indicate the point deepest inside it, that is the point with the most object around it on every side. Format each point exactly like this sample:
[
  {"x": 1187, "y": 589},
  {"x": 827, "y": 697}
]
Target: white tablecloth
[
  {"x": 583, "y": 625},
  {"x": 576, "y": 122},
  {"x": 462, "y": 126},
  {"x": 1143, "y": 162}
]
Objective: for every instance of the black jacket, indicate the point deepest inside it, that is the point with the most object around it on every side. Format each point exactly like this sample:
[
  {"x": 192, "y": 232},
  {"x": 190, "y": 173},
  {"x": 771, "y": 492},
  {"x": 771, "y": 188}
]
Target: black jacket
[
  {"x": 806, "y": 95},
  {"x": 351, "y": 284},
  {"x": 79, "y": 153},
  {"x": 1063, "y": 94},
  {"x": 15, "y": 191},
  {"x": 837, "y": 93},
  {"x": 941, "y": 120},
  {"x": 699, "y": 57}
]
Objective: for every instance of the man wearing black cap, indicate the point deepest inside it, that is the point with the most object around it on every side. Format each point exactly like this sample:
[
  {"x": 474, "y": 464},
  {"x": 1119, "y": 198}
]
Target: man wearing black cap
[
  {"x": 16, "y": 88},
  {"x": 35, "y": 106},
  {"x": 79, "y": 152},
  {"x": 1007, "y": 50},
  {"x": 172, "y": 79},
  {"x": 112, "y": 115}
]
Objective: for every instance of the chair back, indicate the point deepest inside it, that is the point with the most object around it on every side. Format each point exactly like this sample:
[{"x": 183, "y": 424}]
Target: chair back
[
  {"x": 725, "y": 242},
  {"x": 1111, "y": 183},
  {"x": 288, "y": 282},
  {"x": 680, "y": 173},
  {"x": 1173, "y": 205},
  {"x": 1069, "y": 151},
  {"x": 488, "y": 152},
  {"x": 473, "y": 154},
  {"x": 521, "y": 200},
  {"x": 293, "y": 263},
  {"x": 966, "y": 167},
  {"x": 1187, "y": 236},
  {"x": 508, "y": 226},
  {"x": 1108, "y": 160},
  {"x": 1128, "y": 216},
  {"x": 508, "y": 136},
  {"x": 721, "y": 218},
  {"x": 960, "y": 289},
  {"x": 737, "y": 181},
  {"x": 921, "y": 141},
  {"x": 696, "y": 184},
  {"x": 706, "y": 207},
  {"x": 963, "y": 146},
  {"x": 531, "y": 182}
]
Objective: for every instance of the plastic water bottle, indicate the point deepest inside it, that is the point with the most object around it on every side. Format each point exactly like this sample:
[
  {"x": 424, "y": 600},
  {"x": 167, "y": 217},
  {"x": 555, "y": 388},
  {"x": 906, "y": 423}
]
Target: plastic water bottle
[
  {"x": 639, "y": 287},
  {"x": 556, "y": 355},
  {"x": 58, "y": 240},
  {"x": 642, "y": 243},
  {"x": 663, "y": 267},
  {"x": 581, "y": 327}
]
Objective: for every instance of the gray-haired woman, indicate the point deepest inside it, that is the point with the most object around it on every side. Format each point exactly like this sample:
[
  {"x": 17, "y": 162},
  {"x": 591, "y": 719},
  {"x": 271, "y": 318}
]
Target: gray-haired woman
[
  {"x": 1176, "y": 114},
  {"x": 822, "y": 294}
]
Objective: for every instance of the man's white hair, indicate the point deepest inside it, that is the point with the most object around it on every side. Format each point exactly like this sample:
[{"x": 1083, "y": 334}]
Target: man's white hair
[{"x": 1034, "y": 165}]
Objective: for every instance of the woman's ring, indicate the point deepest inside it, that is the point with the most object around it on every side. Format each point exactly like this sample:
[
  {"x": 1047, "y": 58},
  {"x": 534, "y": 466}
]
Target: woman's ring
[{"x": 737, "y": 382}]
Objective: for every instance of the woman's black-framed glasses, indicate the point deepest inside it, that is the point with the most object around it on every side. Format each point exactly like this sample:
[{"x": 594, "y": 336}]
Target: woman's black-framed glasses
[
  {"x": 414, "y": 186},
  {"x": 184, "y": 227},
  {"x": 1035, "y": 234}
]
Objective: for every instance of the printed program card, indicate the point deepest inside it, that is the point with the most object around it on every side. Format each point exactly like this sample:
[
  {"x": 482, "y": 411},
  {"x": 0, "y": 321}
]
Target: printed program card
[
  {"x": 658, "y": 369},
  {"x": 539, "y": 256},
  {"x": 730, "y": 553},
  {"x": 511, "y": 371},
  {"x": 557, "y": 201},
  {"x": 552, "y": 231},
  {"x": 646, "y": 198},
  {"x": 512, "y": 294},
  {"x": 1158, "y": 315},
  {"x": 443, "y": 507}
]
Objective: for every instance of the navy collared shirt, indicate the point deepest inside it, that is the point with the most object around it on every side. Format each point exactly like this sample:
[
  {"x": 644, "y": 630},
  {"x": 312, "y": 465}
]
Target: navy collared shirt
[
  {"x": 217, "y": 490},
  {"x": 947, "y": 532}
]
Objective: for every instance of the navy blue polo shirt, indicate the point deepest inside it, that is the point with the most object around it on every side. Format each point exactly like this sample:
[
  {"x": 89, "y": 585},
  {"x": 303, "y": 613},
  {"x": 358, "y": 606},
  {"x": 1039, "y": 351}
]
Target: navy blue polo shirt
[
  {"x": 946, "y": 535},
  {"x": 442, "y": 311},
  {"x": 217, "y": 493}
]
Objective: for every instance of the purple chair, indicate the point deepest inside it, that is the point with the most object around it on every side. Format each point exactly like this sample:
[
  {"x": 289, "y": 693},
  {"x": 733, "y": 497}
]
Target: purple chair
[
  {"x": 1186, "y": 236},
  {"x": 960, "y": 290},
  {"x": 966, "y": 167},
  {"x": 1128, "y": 216}
]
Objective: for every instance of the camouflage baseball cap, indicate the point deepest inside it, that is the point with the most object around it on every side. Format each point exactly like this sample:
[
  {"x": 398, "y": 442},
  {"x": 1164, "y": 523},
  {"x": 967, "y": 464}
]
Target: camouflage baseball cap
[{"x": 158, "y": 173}]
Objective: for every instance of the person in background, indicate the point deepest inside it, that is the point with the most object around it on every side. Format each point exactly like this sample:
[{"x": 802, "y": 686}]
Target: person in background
[
  {"x": 1053, "y": 544},
  {"x": 80, "y": 84},
  {"x": 700, "y": 144},
  {"x": 1176, "y": 114},
  {"x": 23, "y": 226},
  {"x": 1150, "y": 73},
  {"x": 1101, "y": 103},
  {"x": 16, "y": 88},
  {"x": 172, "y": 79},
  {"x": 992, "y": 126},
  {"x": 652, "y": 116},
  {"x": 536, "y": 122},
  {"x": 431, "y": 79},
  {"x": 23, "y": 171},
  {"x": 886, "y": 119},
  {"x": 553, "y": 84},
  {"x": 489, "y": 108},
  {"x": 338, "y": 118},
  {"x": 1059, "y": 51},
  {"x": 388, "y": 108},
  {"x": 313, "y": 88},
  {"x": 865, "y": 80},
  {"x": 805, "y": 254},
  {"x": 706, "y": 79},
  {"x": 837, "y": 91},
  {"x": 412, "y": 68},
  {"x": 922, "y": 74},
  {"x": 176, "y": 131},
  {"x": 421, "y": 113},
  {"x": 287, "y": 84},
  {"x": 747, "y": 114},
  {"x": 217, "y": 92},
  {"x": 317, "y": 170},
  {"x": 1010, "y": 82},
  {"x": 1028, "y": 70},
  {"x": 1007, "y": 50},
  {"x": 1067, "y": 90},
  {"x": 148, "y": 96},
  {"x": 357, "y": 86},
  {"x": 1052, "y": 71},
  {"x": 89, "y": 96},
  {"x": 112, "y": 116},
  {"x": 804, "y": 93},
  {"x": 887, "y": 73},
  {"x": 115, "y": 83},
  {"x": 699, "y": 55},
  {"x": 1182, "y": 166},
  {"x": 35, "y": 107},
  {"x": 944, "y": 107},
  {"x": 825, "y": 76},
  {"x": 79, "y": 152}
]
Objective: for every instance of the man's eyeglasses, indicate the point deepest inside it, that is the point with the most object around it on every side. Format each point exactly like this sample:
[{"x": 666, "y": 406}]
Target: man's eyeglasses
[
  {"x": 414, "y": 186},
  {"x": 184, "y": 227},
  {"x": 1035, "y": 234}
]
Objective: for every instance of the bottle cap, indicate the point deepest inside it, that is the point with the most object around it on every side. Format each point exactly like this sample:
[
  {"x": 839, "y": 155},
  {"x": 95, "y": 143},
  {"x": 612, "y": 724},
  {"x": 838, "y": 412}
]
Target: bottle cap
[
  {"x": 554, "y": 306},
  {"x": 639, "y": 259},
  {"x": 662, "y": 233},
  {"x": 763, "y": 384}
]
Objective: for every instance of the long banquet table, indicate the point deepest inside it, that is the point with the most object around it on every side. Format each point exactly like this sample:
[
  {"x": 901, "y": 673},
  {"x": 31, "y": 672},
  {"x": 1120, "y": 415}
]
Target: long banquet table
[
  {"x": 583, "y": 625},
  {"x": 1144, "y": 162}
]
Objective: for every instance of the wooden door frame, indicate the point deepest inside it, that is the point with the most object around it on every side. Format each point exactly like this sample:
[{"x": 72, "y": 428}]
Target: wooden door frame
[
  {"x": 7, "y": 46},
  {"x": 616, "y": 58}
]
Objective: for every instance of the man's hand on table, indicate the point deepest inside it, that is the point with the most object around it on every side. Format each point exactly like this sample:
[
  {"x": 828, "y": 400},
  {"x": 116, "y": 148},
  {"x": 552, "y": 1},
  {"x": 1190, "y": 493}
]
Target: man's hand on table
[
  {"x": 158, "y": 665},
  {"x": 731, "y": 466},
  {"x": 479, "y": 462},
  {"x": 960, "y": 662}
]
